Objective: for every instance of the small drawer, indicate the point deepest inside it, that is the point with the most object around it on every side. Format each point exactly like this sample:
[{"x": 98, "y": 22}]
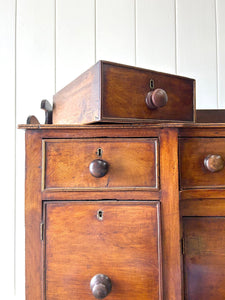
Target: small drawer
[
  {"x": 100, "y": 164},
  {"x": 202, "y": 162},
  {"x": 110, "y": 92},
  {"x": 119, "y": 240}
]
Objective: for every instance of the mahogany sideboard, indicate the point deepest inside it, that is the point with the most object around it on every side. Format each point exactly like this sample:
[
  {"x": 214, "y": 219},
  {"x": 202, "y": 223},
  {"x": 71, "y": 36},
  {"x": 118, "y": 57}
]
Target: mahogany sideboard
[{"x": 125, "y": 211}]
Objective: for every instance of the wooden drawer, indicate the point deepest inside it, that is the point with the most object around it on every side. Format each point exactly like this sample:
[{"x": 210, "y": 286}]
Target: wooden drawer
[
  {"x": 124, "y": 245},
  {"x": 132, "y": 163},
  {"x": 110, "y": 92},
  {"x": 204, "y": 259},
  {"x": 202, "y": 162}
]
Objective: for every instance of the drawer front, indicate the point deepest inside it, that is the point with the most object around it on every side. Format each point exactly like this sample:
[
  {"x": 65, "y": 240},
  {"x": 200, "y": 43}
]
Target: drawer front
[
  {"x": 204, "y": 259},
  {"x": 122, "y": 163},
  {"x": 122, "y": 242},
  {"x": 125, "y": 90},
  {"x": 202, "y": 162}
]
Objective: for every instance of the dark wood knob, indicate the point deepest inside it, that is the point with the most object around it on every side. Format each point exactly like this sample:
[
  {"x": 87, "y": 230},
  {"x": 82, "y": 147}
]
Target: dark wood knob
[
  {"x": 98, "y": 168},
  {"x": 214, "y": 163},
  {"x": 157, "y": 98},
  {"x": 101, "y": 286}
]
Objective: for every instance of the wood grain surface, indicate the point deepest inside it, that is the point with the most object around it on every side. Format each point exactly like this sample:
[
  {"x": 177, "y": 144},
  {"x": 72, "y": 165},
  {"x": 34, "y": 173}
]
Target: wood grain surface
[
  {"x": 125, "y": 89},
  {"x": 193, "y": 173},
  {"x": 124, "y": 245},
  {"x": 204, "y": 260},
  {"x": 33, "y": 218},
  {"x": 172, "y": 272},
  {"x": 79, "y": 101},
  {"x": 203, "y": 207},
  {"x": 116, "y": 93},
  {"x": 132, "y": 163}
]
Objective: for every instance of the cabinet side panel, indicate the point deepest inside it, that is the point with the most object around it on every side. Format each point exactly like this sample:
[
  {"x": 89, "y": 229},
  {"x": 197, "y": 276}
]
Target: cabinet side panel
[{"x": 33, "y": 217}]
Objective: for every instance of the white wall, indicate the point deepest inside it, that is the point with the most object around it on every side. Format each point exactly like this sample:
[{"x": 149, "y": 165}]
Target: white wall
[{"x": 45, "y": 44}]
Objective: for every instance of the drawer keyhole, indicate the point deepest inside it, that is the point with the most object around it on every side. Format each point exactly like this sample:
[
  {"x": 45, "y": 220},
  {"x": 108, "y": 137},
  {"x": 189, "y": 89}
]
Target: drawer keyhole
[
  {"x": 152, "y": 84},
  {"x": 99, "y": 152},
  {"x": 100, "y": 215}
]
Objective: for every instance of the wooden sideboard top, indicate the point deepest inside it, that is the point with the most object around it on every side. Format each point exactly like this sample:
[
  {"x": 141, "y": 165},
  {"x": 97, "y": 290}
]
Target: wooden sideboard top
[{"x": 120, "y": 126}]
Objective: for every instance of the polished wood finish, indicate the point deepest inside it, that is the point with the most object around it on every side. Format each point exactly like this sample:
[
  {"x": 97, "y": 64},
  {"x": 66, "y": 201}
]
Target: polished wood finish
[
  {"x": 33, "y": 218},
  {"x": 124, "y": 245},
  {"x": 58, "y": 218},
  {"x": 202, "y": 208},
  {"x": 172, "y": 273},
  {"x": 204, "y": 258},
  {"x": 210, "y": 115},
  {"x": 79, "y": 102},
  {"x": 185, "y": 129},
  {"x": 193, "y": 171},
  {"x": 202, "y": 193},
  {"x": 132, "y": 163},
  {"x": 110, "y": 92}
]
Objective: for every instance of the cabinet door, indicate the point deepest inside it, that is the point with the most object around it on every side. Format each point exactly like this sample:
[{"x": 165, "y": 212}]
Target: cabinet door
[
  {"x": 119, "y": 239},
  {"x": 204, "y": 258}
]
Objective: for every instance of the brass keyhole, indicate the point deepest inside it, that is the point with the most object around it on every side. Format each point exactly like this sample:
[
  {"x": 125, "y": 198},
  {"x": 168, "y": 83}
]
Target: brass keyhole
[
  {"x": 100, "y": 215},
  {"x": 99, "y": 152}
]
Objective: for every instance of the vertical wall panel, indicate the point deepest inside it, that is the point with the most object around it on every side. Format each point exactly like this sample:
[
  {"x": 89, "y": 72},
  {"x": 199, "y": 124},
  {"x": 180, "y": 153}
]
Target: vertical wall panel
[
  {"x": 115, "y": 31},
  {"x": 7, "y": 152},
  {"x": 35, "y": 56},
  {"x": 156, "y": 35},
  {"x": 75, "y": 39},
  {"x": 221, "y": 51},
  {"x": 196, "y": 47},
  {"x": 35, "y": 80}
]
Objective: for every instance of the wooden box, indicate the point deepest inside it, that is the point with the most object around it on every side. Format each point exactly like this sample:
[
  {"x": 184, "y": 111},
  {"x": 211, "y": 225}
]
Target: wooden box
[{"x": 110, "y": 92}]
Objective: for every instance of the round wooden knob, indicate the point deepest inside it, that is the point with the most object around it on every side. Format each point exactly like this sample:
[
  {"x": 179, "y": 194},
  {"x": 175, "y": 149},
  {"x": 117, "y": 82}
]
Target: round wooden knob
[
  {"x": 98, "y": 168},
  {"x": 214, "y": 163},
  {"x": 157, "y": 98},
  {"x": 101, "y": 286}
]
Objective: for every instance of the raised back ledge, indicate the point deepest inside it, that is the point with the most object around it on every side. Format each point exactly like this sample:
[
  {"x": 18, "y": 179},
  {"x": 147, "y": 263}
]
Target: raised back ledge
[
  {"x": 119, "y": 126},
  {"x": 210, "y": 115}
]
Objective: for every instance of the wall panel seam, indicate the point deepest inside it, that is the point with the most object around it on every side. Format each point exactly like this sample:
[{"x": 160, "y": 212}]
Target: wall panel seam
[
  {"x": 217, "y": 51},
  {"x": 95, "y": 29},
  {"x": 15, "y": 134},
  {"x": 176, "y": 42},
  {"x": 55, "y": 46},
  {"x": 135, "y": 32}
]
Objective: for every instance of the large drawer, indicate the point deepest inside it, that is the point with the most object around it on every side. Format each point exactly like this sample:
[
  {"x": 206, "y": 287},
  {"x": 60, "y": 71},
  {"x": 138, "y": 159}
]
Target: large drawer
[
  {"x": 110, "y": 92},
  {"x": 122, "y": 242},
  {"x": 121, "y": 163},
  {"x": 202, "y": 162},
  {"x": 204, "y": 258}
]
